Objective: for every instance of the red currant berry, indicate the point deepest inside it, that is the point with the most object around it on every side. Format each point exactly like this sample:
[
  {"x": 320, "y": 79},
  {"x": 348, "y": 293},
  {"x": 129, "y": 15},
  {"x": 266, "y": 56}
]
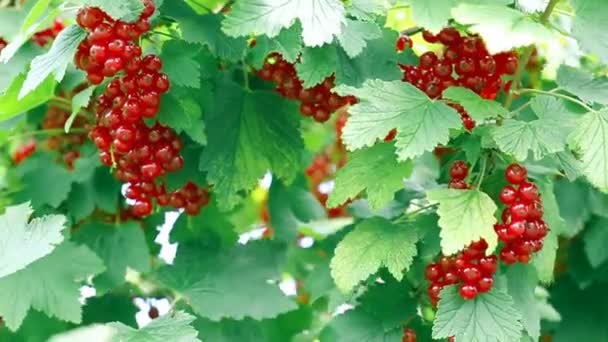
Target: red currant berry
[
  {"x": 528, "y": 192},
  {"x": 468, "y": 292},
  {"x": 516, "y": 174},
  {"x": 508, "y": 195}
]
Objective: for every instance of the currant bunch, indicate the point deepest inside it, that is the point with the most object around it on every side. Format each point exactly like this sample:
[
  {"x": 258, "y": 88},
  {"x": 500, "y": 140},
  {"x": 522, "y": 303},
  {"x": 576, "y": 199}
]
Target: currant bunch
[
  {"x": 459, "y": 171},
  {"x": 111, "y": 44},
  {"x": 471, "y": 269},
  {"x": 140, "y": 154},
  {"x": 65, "y": 144},
  {"x": 464, "y": 62},
  {"x": 318, "y": 102},
  {"x": 522, "y": 229},
  {"x": 44, "y": 37},
  {"x": 409, "y": 335}
]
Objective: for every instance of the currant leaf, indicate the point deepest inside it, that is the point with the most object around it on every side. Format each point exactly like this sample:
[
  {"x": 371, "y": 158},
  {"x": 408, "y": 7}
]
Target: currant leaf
[
  {"x": 374, "y": 243},
  {"x": 465, "y": 216},
  {"x": 362, "y": 172},
  {"x": 384, "y": 106}
]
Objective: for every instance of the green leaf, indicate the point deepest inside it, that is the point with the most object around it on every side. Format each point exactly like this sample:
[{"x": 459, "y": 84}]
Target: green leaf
[
  {"x": 172, "y": 327},
  {"x": 378, "y": 318},
  {"x": 209, "y": 225},
  {"x": 541, "y": 137},
  {"x": 216, "y": 284},
  {"x": 547, "y": 135},
  {"x": 16, "y": 65},
  {"x": 288, "y": 43},
  {"x": 126, "y": 10},
  {"x": 321, "y": 20},
  {"x": 478, "y": 108},
  {"x": 595, "y": 239},
  {"x": 55, "y": 61},
  {"x": 283, "y": 328},
  {"x": 248, "y": 139},
  {"x": 465, "y": 216},
  {"x": 376, "y": 61},
  {"x": 432, "y": 15},
  {"x": 366, "y": 9},
  {"x": 35, "y": 13},
  {"x": 204, "y": 30},
  {"x": 119, "y": 246},
  {"x": 521, "y": 282},
  {"x": 544, "y": 260},
  {"x": 49, "y": 285},
  {"x": 582, "y": 84},
  {"x": 374, "y": 243},
  {"x": 316, "y": 64},
  {"x": 355, "y": 34},
  {"x": 591, "y": 137},
  {"x": 421, "y": 123},
  {"x": 79, "y": 101},
  {"x": 582, "y": 312},
  {"x": 196, "y": 130},
  {"x": 172, "y": 113},
  {"x": 11, "y": 105},
  {"x": 110, "y": 308},
  {"x": 81, "y": 201},
  {"x": 514, "y": 28},
  {"x": 180, "y": 64},
  {"x": 45, "y": 174},
  {"x": 572, "y": 167},
  {"x": 590, "y": 14},
  {"x": 491, "y": 317},
  {"x": 290, "y": 207},
  {"x": 25, "y": 242},
  {"x": 362, "y": 172}
]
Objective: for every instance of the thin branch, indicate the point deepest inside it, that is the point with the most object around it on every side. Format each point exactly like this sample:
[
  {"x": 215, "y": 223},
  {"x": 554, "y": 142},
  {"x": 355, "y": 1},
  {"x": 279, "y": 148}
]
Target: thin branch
[
  {"x": 525, "y": 57},
  {"x": 558, "y": 95},
  {"x": 411, "y": 31}
]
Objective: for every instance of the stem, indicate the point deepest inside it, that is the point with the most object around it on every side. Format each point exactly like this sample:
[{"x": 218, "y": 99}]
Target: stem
[
  {"x": 201, "y": 6},
  {"x": 411, "y": 31},
  {"x": 482, "y": 172},
  {"x": 62, "y": 101},
  {"x": 166, "y": 34},
  {"x": 246, "y": 76},
  {"x": 407, "y": 216},
  {"x": 525, "y": 57},
  {"x": 520, "y": 108},
  {"x": 558, "y": 95},
  {"x": 54, "y": 131}
]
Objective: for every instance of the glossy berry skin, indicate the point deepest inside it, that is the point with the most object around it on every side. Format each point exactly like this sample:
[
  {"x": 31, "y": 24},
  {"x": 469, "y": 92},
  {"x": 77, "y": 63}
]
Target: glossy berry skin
[
  {"x": 471, "y": 269},
  {"x": 516, "y": 174},
  {"x": 523, "y": 228},
  {"x": 459, "y": 170},
  {"x": 140, "y": 154},
  {"x": 468, "y": 292},
  {"x": 403, "y": 43}
]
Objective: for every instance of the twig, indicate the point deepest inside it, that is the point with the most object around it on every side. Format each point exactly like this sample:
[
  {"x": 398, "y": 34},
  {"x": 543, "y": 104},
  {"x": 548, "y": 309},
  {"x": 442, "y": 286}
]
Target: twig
[
  {"x": 558, "y": 95},
  {"x": 525, "y": 57}
]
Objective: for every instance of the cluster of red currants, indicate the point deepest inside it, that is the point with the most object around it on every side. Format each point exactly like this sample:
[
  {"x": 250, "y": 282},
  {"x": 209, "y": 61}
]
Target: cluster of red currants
[
  {"x": 141, "y": 154},
  {"x": 318, "y": 102},
  {"x": 464, "y": 62},
  {"x": 44, "y": 37},
  {"x": 111, "y": 44},
  {"x": 459, "y": 171},
  {"x": 471, "y": 268},
  {"x": 522, "y": 229}
]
